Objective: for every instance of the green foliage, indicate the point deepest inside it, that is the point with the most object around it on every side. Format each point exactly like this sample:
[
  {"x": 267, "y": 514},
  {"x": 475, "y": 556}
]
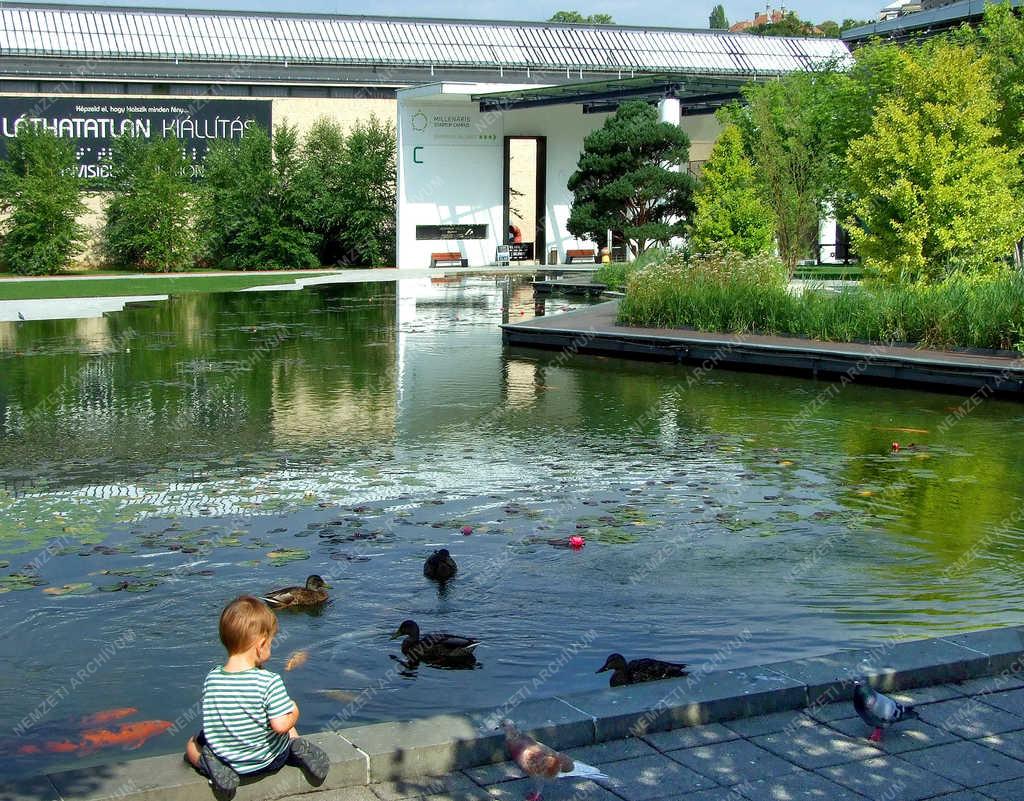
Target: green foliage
[
  {"x": 717, "y": 20},
  {"x": 149, "y": 222},
  {"x": 731, "y": 214},
  {"x": 791, "y": 149},
  {"x": 627, "y": 180},
  {"x": 830, "y": 29},
  {"x": 789, "y": 25},
  {"x": 730, "y": 293},
  {"x": 352, "y": 182},
  {"x": 40, "y": 198},
  {"x": 848, "y": 23},
  {"x": 255, "y": 206},
  {"x": 1001, "y": 38},
  {"x": 616, "y": 274},
  {"x": 578, "y": 18},
  {"x": 933, "y": 192}
]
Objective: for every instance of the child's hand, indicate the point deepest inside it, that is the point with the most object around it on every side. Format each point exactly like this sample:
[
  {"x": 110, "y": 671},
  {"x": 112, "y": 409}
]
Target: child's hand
[{"x": 285, "y": 723}]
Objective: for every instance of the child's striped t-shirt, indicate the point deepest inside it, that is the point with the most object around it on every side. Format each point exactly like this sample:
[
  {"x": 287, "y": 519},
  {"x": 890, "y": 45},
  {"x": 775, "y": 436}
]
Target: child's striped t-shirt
[{"x": 237, "y": 708}]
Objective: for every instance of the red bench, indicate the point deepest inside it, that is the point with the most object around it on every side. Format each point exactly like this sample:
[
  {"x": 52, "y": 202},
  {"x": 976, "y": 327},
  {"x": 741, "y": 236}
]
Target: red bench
[
  {"x": 588, "y": 254},
  {"x": 451, "y": 258}
]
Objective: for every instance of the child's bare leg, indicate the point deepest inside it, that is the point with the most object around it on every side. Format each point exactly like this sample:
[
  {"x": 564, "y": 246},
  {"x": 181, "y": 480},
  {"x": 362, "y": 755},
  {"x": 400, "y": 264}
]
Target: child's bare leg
[{"x": 192, "y": 752}]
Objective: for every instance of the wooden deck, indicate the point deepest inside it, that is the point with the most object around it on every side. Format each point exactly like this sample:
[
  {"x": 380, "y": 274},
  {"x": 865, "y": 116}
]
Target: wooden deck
[{"x": 594, "y": 330}]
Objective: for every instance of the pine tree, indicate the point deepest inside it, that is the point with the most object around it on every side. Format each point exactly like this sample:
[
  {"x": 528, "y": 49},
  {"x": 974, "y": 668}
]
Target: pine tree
[
  {"x": 730, "y": 215},
  {"x": 717, "y": 21},
  {"x": 631, "y": 178}
]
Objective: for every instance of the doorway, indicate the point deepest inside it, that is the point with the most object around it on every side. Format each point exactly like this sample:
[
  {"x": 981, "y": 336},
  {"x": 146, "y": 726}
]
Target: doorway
[{"x": 525, "y": 201}]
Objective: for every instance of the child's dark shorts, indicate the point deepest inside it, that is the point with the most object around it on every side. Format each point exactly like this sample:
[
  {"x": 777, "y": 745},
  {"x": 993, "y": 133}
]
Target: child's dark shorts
[{"x": 279, "y": 761}]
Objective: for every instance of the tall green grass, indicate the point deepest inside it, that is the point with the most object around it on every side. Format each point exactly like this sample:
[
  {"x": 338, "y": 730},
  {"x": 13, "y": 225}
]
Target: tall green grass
[
  {"x": 616, "y": 274},
  {"x": 735, "y": 294}
]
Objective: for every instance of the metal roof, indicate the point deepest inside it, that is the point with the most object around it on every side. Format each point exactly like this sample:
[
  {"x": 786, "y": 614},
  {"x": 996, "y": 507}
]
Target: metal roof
[
  {"x": 922, "y": 23},
  {"x": 704, "y": 91},
  {"x": 105, "y": 32}
]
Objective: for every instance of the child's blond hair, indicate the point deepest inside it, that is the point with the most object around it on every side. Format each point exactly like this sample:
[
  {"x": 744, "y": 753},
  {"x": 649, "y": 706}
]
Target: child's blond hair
[{"x": 244, "y": 621}]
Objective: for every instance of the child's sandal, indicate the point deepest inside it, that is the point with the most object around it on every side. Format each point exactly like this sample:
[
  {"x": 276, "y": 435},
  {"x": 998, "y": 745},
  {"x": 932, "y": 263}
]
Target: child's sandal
[
  {"x": 311, "y": 758},
  {"x": 221, "y": 776}
]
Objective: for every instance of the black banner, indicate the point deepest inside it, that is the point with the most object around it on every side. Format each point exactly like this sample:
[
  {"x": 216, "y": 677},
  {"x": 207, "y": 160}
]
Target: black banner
[
  {"x": 445, "y": 232},
  {"x": 521, "y": 251},
  {"x": 93, "y": 121}
]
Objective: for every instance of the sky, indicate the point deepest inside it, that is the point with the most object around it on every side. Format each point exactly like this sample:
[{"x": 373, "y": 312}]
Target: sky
[{"x": 668, "y": 13}]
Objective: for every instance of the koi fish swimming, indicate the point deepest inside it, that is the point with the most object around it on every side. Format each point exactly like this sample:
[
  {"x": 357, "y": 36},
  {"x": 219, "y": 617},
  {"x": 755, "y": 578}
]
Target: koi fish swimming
[{"x": 90, "y": 733}]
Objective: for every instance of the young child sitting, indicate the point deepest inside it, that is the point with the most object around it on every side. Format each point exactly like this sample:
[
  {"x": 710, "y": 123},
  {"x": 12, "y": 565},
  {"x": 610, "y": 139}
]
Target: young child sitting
[{"x": 248, "y": 718}]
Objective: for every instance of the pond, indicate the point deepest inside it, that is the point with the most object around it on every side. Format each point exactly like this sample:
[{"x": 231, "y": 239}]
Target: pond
[{"x": 157, "y": 462}]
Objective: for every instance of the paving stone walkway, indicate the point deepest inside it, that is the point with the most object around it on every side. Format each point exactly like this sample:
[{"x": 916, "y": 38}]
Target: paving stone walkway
[{"x": 967, "y": 746}]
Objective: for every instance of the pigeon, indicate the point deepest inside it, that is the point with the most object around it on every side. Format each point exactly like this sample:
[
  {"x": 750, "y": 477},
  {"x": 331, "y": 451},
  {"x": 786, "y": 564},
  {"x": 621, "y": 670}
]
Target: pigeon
[
  {"x": 877, "y": 710},
  {"x": 21, "y": 316},
  {"x": 641, "y": 670},
  {"x": 541, "y": 763}
]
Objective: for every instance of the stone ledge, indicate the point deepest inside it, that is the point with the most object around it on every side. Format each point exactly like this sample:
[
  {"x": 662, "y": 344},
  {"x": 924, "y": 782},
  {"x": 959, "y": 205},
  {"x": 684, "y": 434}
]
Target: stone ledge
[{"x": 398, "y": 750}]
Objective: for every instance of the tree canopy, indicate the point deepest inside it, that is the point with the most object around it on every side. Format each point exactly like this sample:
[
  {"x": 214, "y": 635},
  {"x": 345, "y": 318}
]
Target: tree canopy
[
  {"x": 632, "y": 177},
  {"x": 578, "y": 18},
  {"x": 717, "y": 21}
]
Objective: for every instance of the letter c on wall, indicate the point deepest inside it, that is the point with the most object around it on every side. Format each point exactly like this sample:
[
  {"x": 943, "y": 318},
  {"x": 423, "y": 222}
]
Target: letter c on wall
[{"x": 416, "y": 154}]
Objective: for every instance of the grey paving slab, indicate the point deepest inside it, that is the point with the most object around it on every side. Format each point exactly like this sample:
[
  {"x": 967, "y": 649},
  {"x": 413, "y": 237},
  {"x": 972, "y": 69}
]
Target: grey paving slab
[
  {"x": 452, "y": 785},
  {"x": 493, "y": 774},
  {"x": 967, "y": 763},
  {"x": 343, "y": 794},
  {"x": 1004, "y": 646},
  {"x": 1008, "y": 700},
  {"x": 560, "y": 790},
  {"x": 651, "y": 777},
  {"x": 1005, "y": 680},
  {"x": 150, "y": 778},
  {"x": 816, "y": 747},
  {"x": 698, "y": 699},
  {"x": 1004, "y": 791},
  {"x": 717, "y": 794},
  {"x": 612, "y": 751},
  {"x": 910, "y": 735},
  {"x": 805, "y": 785},
  {"x": 826, "y": 713},
  {"x": 733, "y": 762},
  {"x": 970, "y": 718},
  {"x": 891, "y": 666},
  {"x": 37, "y": 789},
  {"x": 927, "y": 695},
  {"x": 962, "y": 795},
  {"x": 768, "y": 724},
  {"x": 1009, "y": 743},
  {"x": 890, "y": 778},
  {"x": 690, "y": 737}
]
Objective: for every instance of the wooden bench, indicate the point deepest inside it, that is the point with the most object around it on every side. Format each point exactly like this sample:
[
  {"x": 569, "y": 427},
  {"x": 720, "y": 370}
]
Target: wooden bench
[
  {"x": 588, "y": 254},
  {"x": 449, "y": 259}
]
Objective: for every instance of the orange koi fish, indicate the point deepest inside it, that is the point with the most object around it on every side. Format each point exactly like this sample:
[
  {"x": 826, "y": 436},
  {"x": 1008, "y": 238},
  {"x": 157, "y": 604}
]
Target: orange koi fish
[
  {"x": 106, "y": 716},
  {"x": 128, "y": 736}
]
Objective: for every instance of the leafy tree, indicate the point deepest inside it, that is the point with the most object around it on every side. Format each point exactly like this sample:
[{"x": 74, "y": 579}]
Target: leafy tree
[
  {"x": 1001, "y": 38},
  {"x": 830, "y": 29},
  {"x": 718, "y": 21},
  {"x": 628, "y": 180},
  {"x": 790, "y": 148},
  {"x": 789, "y": 25},
  {"x": 352, "y": 180},
  {"x": 149, "y": 221},
  {"x": 731, "y": 215},
  {"x": 848, "y": 23},
  {"x": 256, "y": 203},
  {"x": 577, "y": 18},
  {"x": 933, "y": 189},
  {"x": 40, "y": 199}
]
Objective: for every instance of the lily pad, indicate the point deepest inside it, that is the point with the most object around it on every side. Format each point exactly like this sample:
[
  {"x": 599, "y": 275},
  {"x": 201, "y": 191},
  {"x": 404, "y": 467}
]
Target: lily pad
[
  {"x": 283, "y": 556},
  {"x": 78, "y": 588},
  {"x": 19, "y": 581}
]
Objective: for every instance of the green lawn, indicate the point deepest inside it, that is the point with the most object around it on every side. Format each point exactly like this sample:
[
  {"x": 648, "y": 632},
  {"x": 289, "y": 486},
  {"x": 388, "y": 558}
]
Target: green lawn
[{"x": 139, "y": 285}]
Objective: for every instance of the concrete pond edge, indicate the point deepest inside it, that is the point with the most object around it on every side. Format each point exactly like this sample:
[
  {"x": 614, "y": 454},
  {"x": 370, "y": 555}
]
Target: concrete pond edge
[{"x": 403, "y": 750}]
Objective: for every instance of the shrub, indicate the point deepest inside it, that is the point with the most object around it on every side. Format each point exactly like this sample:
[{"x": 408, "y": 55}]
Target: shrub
[
  {"x": 40, "y": 193},
  {"x": 150, "y": 216},
  {"x": 733, "y": 294},
  {"x": 255, "y": 206}
]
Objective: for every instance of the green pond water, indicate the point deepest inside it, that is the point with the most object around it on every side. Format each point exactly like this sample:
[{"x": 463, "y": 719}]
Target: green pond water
[{"x": 157, "y": 462}]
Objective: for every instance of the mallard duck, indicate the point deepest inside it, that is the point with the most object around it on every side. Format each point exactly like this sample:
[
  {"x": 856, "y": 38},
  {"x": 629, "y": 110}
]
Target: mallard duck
[
  {"x": 313, "y": 594},
  {"x": 435, "y": 648},
  {"x": 641, "y": 670},
  {"x": 440, "y": 566}
]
